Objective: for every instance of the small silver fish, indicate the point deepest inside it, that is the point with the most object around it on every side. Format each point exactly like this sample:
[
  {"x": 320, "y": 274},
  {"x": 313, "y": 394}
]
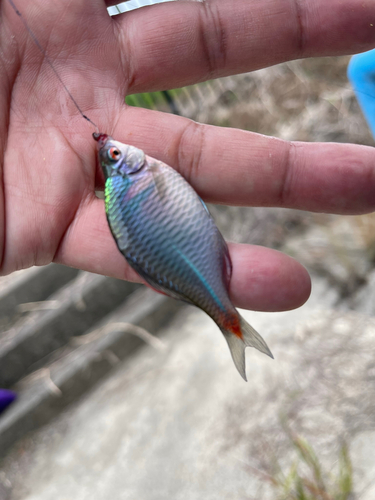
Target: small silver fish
[{"x": 167, "y": 235}]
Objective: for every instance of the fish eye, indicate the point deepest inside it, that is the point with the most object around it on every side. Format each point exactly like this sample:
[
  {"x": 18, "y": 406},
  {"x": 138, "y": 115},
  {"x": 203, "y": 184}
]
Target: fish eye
[{"x": 114, "y": 154}]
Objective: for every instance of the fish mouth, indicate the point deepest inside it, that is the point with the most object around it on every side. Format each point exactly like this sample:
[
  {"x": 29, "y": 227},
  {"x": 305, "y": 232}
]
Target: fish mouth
[{"x": 100, "y": 138}]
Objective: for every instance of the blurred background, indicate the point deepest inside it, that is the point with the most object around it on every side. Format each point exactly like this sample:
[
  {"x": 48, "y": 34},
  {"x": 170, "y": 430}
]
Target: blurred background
[{"x": 126, "y": 394}]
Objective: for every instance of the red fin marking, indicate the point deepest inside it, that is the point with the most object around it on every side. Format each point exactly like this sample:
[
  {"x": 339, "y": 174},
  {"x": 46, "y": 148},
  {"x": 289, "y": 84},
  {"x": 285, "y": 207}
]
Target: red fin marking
[{"x": 232, "y": 324}]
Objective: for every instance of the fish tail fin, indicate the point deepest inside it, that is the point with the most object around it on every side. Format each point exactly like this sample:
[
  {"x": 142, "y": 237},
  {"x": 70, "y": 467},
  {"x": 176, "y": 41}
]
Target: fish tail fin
[{"x": 240, "y": 338}]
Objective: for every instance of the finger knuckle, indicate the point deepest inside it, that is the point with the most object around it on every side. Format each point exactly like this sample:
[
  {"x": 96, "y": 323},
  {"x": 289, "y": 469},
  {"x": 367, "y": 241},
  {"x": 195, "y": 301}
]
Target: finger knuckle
[
  {"x": 190, "y": 150},
  {"x": 213, "y": 38}
]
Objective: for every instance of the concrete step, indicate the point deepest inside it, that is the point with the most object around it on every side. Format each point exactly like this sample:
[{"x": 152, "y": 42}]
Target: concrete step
[
  {"x": 85, "y": 360},
  {"x": 68, "y": 312},
  {"x": 29, "y": 285}
]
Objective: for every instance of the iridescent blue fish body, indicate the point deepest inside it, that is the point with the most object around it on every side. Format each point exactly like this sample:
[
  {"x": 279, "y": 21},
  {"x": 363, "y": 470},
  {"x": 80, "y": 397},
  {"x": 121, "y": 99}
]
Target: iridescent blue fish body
[{"x": 167, "y": 235}]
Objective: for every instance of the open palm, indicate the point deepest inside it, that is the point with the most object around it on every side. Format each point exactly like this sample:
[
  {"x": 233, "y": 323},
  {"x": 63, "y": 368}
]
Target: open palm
[{"x": 49, "y": 208}]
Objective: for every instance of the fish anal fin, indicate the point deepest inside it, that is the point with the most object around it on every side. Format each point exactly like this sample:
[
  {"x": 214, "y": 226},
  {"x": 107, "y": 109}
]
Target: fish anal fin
[
  {"x": 154, "y": 288},
  {"x": 154, "y": 285}
]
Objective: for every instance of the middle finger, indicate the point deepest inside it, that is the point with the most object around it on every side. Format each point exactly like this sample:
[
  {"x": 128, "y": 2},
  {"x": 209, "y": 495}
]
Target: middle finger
[{"x": 237, "y": 167}]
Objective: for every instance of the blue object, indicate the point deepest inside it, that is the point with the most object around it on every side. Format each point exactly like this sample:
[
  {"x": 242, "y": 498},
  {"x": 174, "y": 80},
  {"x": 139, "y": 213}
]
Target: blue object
[
  {"x": 361, "y": 73},
  {"x": 6, "y": 398}
]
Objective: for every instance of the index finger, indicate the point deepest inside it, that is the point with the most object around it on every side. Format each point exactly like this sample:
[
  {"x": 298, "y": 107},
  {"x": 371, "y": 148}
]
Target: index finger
[{"x": 178, "y": 43}]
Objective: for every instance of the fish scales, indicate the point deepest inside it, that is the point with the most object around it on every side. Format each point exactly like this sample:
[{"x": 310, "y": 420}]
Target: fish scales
[{"x": 167, "y": 235}]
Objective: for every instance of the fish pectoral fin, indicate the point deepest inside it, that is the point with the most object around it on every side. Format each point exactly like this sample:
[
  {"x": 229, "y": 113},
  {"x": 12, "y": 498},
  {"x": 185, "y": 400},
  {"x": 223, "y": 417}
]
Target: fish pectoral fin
[
  {"x": 159, "y": 183},
  {"x": 205, "y": 207}
]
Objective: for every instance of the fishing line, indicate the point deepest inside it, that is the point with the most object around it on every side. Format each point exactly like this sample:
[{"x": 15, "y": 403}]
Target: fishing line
[{"x": 42, "y": 50}]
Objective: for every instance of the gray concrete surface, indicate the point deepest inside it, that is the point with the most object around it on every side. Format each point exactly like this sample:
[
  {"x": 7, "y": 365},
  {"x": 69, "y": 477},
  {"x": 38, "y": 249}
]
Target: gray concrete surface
[
  {"x": 83, "y": 362},
  {"x": 180, "y": 423},
  {"x": 29, "y": 285},
  {"x": 74, "y": 308}
]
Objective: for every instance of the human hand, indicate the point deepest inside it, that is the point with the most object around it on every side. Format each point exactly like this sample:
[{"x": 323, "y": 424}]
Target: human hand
[{"x": 49, "y": 208}]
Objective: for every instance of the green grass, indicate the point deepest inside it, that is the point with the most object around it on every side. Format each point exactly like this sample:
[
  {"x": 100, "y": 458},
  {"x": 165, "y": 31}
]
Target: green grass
[
  {"x": 306, "y": 480},
  {"x": 151, "y": 100}
]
